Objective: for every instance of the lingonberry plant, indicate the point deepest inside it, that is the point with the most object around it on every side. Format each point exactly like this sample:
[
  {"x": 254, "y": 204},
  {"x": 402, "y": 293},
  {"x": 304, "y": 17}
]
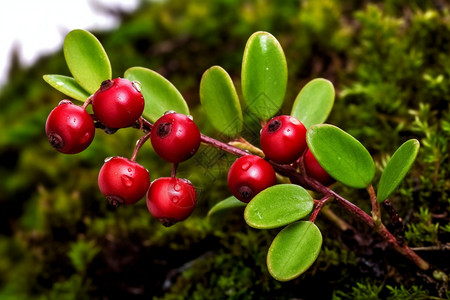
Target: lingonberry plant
[{"x": 306, "y": 154}]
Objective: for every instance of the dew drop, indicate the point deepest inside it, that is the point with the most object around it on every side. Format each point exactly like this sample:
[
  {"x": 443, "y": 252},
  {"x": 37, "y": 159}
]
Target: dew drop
[
  {"x": 170, "y": 112},
  {"x": 177, "y": 187},
  {"x": 127, "y": 180},
  {"x": 246, "y": 166},
  {"x": 190, "y": 117},
  {"x": 130, "y": 170},
  {"x": 175, "y": 199},
  {"x": 137, "y": 85},
  {"x": 108, "y": 158},
  {"x": 65, "y": 101},
  {"x": 294, "y": 121},
  {"x": 85, "y": 138}
]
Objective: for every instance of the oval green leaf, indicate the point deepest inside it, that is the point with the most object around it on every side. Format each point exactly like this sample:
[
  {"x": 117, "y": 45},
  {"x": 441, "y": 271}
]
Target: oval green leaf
[
  {"x": 226, "y": 204},
  {"x": 67, "y": 85},
  {"x": 277, "y": 206},
  {"x": 220, "y": 101},
  {"x": 314, "y": 102},
  {"x": 294, "y": 250},
  {"x": 86, "y": 59},
  {"x": 396, "y": 169},
  {"x": 159, "y": 93},
  {"x": 341, "y": 155},
  {"x": 264, "y": 75}
]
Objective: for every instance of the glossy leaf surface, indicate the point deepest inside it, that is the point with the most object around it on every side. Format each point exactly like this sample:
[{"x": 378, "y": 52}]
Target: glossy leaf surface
[
  {"x": 220, "y": 101},
  {"x": 277, "y": 206},
  {"x": 294, "y": 250},
  {"x": 396, "y": 168},
  {"x": 314, "y": 102},
  {"x": 264, "y": 75},
  {"x": 86, "y": 59},
  {"x": 341, "y": 155},
  {"x": 159, "y": 93},
  {"x": 226, "y": 204},
  {"x": 67, "y": 85}
]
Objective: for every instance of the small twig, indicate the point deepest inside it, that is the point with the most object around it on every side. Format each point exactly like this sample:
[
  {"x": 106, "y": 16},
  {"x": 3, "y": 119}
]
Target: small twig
[
  {"x": 87, "y": 102},
  {"x": 443, "y": 247},
  {"x": 174, "y": 170},
  {"x": 318, "y": 207},
  {"x": 139, "y": 145},
  {"x": 376, "y": 214}
]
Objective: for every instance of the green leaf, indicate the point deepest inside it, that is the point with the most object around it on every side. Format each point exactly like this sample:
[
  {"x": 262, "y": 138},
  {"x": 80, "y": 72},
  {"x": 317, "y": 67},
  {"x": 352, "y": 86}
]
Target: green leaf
[
  {"x": 159, "y": 93},
  {"x": 396, "y": 169},
  {"x": 227, "y": 204},
  {"x": 220, "y": 101},
  {"x": 314, "y": 102},
  {"x": 294, "y": 250},
  {"x": 67, "y": 85},
  {"x": 341, "y": 155},
  {"x": 264, "y": 75},
  {"x": 86, "y": 59},
  {"x": 277, "y": 206}
]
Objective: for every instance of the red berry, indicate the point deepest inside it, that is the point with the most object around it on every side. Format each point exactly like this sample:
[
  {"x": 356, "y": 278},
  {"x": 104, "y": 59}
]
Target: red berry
[
  {"x": 69, "y": 128},
  {"x": 171, "y": 199},
  {"x": 249, "y": 175},
  {"x": 175, "y": 137},
  {"x": 123, "y": 181},
  {"x": 314, "y": 170},
  {"x": 283, "y": 139},
  {"x": 118, "y": 103}
]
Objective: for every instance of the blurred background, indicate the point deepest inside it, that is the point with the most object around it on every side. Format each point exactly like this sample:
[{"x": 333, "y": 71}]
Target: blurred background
[{"x": 389, "y": 62}]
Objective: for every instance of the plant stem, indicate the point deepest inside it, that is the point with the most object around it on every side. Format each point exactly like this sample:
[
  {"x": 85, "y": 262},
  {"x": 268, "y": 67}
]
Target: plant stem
[
  {"x": 376, "y": 215},
  {"x": 309, "y": 183},
  {"x": 318, "y": 207},
  {"x": 139, "y": 145}
]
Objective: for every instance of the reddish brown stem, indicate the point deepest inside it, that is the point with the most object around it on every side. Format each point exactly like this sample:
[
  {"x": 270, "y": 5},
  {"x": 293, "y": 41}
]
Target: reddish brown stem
[
  {"x": 174, "y": 170},
  {"x": 318, "y": 207},
  {"x": 139, "y": 145},
  {"x": 305, "y": 181}
]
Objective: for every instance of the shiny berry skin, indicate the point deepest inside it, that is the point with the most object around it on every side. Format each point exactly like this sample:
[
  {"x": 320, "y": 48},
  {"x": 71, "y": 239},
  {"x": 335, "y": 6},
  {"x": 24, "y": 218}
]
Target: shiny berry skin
[
  {"x": 69, "y": 128},
  {"x": 118, "y": 103},
  {"x": 249, "y": 175},
  {"x": 171, "y": 199},
  {"x": 175, "y": 137},
  {"x": 123, "y": 181},
  {"x": 283, "y": 139},
  {"x": 314, "y": 170}
]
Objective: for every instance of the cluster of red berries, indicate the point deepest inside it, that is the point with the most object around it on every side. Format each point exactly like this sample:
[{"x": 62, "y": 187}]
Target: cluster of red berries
[
  {"x": 283, "y": 141},
  {"x": 117, "y": 104}
]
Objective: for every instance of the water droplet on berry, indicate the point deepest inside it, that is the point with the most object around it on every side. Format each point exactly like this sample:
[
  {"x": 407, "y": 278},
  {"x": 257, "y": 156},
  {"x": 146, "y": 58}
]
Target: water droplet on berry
[
  {"x": 127, "y": 180},
  {"x": 246, "y": 166},
  {"x": 108, "y": 158},
  {"x": 294, "y": 121},
  {"x": 85, "y": 138},
  {"x": 170, "y": 112},
  {"x": 175, "y": 199},
  {"x": 65, "y": 101},
  {"x": 177, "y": 187},
  {"x": 190, "y": 117},
  {"x": 137, "y": 85},
  {"x": 130, "y": 170}
]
